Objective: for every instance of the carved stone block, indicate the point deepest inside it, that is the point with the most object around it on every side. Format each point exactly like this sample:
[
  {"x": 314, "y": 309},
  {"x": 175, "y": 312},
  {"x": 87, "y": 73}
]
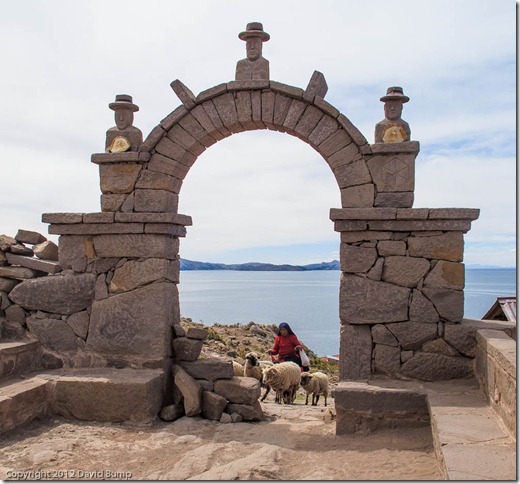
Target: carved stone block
[
  {"x": 134, "y": 323},
  {"x": 358, "y": 196},
  {"x": 133, "y": 274},
  {"x": 163, "y": 164},
  {"x": 387, "y": 359},
  {"x": 357, "y": 259},
  {"x": 448, "y": 246},
  {"x": 394, "y": 173},
  {"x": 323, "y": 130},
  {"x": 155, "y": 201},
  {"x": 136, "y": 245},
  {"x": 363, "y": 301},
  {"x": 335, "y": 142},
  {"x": 422, "y": 309},
  {"x": 412, "y": 335},
  {"x": 447, "y": 275},
  {"x": 351, "y": 174},
  {"x": 405, "y": 271},
  {"x": 396, "y": 199},
  {"x": 57, "y": 294},
  {"x": 355, "y": 352},
  {"x": 158, "y": 181},
  {"x": 435, "y": 367},
  {"x": 449, "y": 303}
]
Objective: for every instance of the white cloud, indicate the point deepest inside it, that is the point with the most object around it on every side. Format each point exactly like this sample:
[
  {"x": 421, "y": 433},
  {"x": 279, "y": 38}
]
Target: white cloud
[{"x": 65, "y": 61}]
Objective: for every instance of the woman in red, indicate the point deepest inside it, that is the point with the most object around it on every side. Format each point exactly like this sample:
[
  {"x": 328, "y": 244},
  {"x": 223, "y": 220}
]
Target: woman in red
[{"x": 287, "y": 346}]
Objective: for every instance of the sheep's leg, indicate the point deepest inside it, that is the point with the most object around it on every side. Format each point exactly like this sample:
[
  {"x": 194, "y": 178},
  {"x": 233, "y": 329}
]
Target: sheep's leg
[
  {"x": 267, "y": 390},
  {"x": 307, "y": 399},
  {"x": 325, "y": 397}
]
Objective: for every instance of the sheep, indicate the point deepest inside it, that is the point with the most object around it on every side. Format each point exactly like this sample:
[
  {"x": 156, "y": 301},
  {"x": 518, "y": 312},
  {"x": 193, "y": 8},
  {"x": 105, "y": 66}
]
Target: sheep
[
  {"x": 284, "y": 379},
  {"x": 238, "y": 369},
  {"x": 254, "y": 367},
  {"x": 316, "y": 383}
]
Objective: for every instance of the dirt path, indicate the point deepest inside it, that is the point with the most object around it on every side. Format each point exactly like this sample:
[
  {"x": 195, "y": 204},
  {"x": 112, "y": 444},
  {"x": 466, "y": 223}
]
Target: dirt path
[{"x": 294, "y": 442}]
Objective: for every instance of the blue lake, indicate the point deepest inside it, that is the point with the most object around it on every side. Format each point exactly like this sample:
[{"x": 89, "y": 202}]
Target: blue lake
[{"x": 308, "y": 300}]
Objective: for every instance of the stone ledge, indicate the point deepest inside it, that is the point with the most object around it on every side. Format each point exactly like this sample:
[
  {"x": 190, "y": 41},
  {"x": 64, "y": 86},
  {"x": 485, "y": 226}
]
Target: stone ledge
[
  {"x": 126, "y": 157},
  {"x": 117, "y": 228},
  {"x": 103, "y": 218},
  {"x": 404, "y": 147},
  {"x": 500, "y": 347},
  {"x": 50, "y": 267},
  {"x": 405, "y": 214},
  {"x": 291, "y": 91}
]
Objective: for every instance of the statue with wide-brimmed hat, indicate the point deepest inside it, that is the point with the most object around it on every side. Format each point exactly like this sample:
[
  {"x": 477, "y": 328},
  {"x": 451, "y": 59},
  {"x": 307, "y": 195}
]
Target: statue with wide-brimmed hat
[
  {"x": 393, "y": 129},
  {"x": 123, "y": 136},
  {"x": 254, "y": 66}
]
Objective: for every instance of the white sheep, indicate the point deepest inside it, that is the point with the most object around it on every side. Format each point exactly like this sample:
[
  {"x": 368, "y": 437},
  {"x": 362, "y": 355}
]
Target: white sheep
[
  {"x": 316, "y": 383},
  {"x": 238, "y": 369},
  {"x": 254, "y": 367},
  {"x": 284, "y": 379}
]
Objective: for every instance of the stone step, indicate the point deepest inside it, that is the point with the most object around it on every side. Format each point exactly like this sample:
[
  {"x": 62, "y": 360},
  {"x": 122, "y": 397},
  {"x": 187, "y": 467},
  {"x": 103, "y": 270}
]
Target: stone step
[
  {"x": 109, "y": 394},
  {"x": 470, "y": 440},
  {"x": 22, "y": 400},
  {"x": 91, "y": 394},
  {"x": 18, "y": 357}
]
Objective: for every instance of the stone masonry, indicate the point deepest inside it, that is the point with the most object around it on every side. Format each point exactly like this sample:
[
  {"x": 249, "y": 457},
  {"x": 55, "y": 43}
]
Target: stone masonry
[{"x": 111, "y": 299}]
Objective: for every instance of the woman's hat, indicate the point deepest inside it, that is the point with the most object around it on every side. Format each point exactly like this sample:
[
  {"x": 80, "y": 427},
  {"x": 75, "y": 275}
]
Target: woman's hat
[
  {"x": 254, "y": 29},
  {"x": 123, "y": 101},
  {"x": 393, "y": 93},
  {"x": 283, "y": 325}
]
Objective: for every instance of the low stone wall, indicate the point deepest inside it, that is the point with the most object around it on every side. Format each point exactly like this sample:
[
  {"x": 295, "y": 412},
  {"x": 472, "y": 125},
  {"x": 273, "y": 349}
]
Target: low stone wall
[
  {"x": 206, "y": 387},
  {"x": 495, "y": 369}
]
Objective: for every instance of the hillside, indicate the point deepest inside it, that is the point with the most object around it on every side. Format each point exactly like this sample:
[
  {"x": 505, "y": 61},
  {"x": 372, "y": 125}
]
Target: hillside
[
  {"x": 236, "y": 340},
  {"x": 189, "y": 265}
]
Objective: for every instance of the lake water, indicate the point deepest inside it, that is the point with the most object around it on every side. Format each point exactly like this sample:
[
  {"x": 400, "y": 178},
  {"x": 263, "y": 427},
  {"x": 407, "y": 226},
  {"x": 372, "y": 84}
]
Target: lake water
[{"x": 308, "y": 300}]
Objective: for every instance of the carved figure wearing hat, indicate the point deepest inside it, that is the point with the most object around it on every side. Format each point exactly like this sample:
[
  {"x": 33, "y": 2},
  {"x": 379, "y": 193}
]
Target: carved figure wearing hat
[
  {"x": 254, "y": 67},
  {"x": 393, "y": 129},
  {"x": 123, "y": 136}
]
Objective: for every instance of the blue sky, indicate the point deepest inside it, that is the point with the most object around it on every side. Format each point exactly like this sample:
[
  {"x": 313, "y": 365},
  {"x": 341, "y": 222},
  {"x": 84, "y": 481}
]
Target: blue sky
[{"x": 262, "y": 196}]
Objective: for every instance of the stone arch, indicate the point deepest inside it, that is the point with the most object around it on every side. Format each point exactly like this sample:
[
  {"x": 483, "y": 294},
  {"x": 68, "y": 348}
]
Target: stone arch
[{"x": 176, "y": 142}]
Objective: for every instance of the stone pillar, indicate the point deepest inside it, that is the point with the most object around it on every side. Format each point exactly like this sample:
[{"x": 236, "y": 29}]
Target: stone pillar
[
  {"x": 402, "y": 284},
  {"x": 135, "y": 260}
]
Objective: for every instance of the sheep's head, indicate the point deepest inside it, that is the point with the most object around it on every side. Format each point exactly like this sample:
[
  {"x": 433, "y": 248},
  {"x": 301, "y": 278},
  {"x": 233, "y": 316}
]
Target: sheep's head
[
  {"x": 305, "y": 378},
  {"x": 271, "y": 376},
  {"x": 253, "y": 358}
]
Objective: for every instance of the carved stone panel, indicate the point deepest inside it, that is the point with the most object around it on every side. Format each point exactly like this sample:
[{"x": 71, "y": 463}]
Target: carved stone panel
[{"x": 393, "y": 173}]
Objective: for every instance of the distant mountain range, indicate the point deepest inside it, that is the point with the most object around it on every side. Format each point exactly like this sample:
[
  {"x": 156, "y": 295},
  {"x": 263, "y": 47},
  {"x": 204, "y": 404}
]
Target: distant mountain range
[{"x": 190, "y": 265}]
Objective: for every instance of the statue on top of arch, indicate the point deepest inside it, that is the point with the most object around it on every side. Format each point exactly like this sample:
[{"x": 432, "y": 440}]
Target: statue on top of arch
[
  {"x": 254, "y": 66},
  {"x": 393, "y": 129}
]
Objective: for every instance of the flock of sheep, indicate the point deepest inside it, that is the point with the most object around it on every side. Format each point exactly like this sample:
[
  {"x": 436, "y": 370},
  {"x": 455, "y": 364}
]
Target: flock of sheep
[{"x": 284, "y": 378}]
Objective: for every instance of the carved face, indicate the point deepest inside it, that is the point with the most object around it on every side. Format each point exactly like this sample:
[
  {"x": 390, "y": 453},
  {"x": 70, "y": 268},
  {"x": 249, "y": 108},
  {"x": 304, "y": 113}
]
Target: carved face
[
  {"x": 254, "y": 48},
  {"x": 124, "y": 118},
  {"x": 393, "y": 109}
]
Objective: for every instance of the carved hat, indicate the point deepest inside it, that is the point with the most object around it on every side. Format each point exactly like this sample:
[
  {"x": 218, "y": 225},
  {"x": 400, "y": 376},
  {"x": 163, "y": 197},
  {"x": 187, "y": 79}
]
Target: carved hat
[
  {"x": 123, "y": 101},
  {"x": 254, "y": 29},
  {"x": 393, "y": 93}
]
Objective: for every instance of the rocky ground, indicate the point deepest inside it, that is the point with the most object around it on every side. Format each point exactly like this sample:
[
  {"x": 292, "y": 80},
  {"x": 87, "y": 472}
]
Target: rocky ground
[{"x": 293, "y": 442}]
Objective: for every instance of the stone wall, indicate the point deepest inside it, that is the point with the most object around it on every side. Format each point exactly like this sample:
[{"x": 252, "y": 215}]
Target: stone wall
[
  {"x": 401, "y": 292},
  {"x": 495, "y": 370}
]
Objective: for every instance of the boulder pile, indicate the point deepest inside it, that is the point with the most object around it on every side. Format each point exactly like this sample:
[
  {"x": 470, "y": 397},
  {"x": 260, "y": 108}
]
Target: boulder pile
[{"x": 206, "y": 387}]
